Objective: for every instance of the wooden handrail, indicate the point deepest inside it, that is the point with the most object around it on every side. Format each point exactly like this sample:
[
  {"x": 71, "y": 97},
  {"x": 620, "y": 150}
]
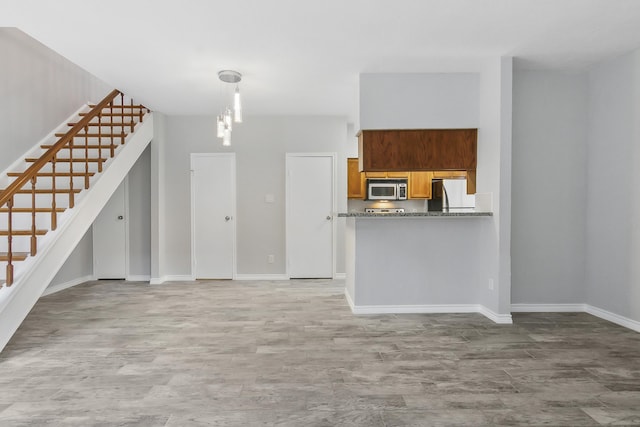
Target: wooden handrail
[
  {"x": 50, "y": 157},
  {"x": 33, "y": 170}
]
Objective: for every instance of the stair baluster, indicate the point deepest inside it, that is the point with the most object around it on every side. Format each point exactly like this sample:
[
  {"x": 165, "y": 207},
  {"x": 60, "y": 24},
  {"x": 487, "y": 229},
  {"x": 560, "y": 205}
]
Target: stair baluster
[
  {"x": 34, "y": 239},
  {"x": 86, "y": 157},
  {"x": 100, "y": 140},
  {"x": 66, "y": 141},
  {"x": 71, "y": 192},
  {"x": 54, "y": 215},
  {"x": 10, "y": 241},
  {"x": 113, "y": 146}
]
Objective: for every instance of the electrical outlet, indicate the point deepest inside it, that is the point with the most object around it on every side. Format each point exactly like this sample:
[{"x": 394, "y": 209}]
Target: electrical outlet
[
  {"x": 490, "y": 284},
  {"x": 271, "y": 258}
]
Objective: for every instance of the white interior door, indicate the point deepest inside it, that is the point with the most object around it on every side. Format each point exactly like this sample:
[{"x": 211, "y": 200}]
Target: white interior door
[
  {"x": 310, "y": 209},
  {"x": 110, "y": 238},
  {"x": 213, "y": 201}
]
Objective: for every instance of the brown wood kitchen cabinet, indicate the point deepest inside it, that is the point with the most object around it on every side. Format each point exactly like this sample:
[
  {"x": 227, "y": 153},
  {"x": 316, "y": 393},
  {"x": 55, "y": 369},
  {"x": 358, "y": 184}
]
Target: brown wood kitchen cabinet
[
  {"x": 469, "y": 175},
  {"x": 417, "y": 150},
  {"x": 449, "y": 174},
  {"x": 419, "y": 183},
  {"x": 356, "y": 180}
]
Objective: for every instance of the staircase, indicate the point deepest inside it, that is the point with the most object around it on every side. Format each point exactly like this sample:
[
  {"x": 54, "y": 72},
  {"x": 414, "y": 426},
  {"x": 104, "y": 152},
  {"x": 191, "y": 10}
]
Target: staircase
[{"x": 46, "y": 208}]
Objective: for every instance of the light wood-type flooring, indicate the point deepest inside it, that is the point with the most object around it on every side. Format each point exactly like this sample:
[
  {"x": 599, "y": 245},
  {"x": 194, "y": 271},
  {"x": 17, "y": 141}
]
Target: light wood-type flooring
[{"x": 290, "y": 353}]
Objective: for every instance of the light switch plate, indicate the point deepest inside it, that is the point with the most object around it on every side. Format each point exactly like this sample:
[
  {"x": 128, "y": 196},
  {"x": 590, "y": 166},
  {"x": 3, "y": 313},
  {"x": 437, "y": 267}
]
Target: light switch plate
[{"x": 269, "y": 198}]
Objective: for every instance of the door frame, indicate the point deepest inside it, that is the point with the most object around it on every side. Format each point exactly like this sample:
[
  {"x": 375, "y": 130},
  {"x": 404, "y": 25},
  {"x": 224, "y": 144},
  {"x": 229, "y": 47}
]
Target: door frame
[
  {"x": 127, "y": 274},
  {"x": 234, "y": 270},
  {"x": 334, "y": 203}
]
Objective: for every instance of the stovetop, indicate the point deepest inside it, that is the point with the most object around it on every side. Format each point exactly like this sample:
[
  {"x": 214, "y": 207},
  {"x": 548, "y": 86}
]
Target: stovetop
[{"x": 384, "y": 210}]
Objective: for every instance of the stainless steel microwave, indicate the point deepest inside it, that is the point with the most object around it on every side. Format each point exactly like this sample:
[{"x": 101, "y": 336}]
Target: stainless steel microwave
[{"x": 386, "y": 189}]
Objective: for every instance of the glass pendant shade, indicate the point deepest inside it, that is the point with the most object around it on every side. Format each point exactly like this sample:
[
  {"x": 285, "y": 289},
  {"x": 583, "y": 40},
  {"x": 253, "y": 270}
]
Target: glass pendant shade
[
  {"x": 227, "y": 119},
  {"x": 220, "y": 127},
  {"x": 237, "y": 106},
  {"x": 226, "y": 139}
]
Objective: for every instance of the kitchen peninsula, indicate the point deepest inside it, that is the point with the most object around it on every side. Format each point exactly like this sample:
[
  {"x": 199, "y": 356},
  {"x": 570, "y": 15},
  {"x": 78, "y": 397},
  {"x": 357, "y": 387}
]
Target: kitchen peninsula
[
  {"x": 417, "y": 260},
  {"x": 414, "y": 262}
]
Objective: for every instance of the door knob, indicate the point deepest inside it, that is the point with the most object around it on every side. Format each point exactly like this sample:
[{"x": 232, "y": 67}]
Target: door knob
[
  {"x": 227, "y": 218},
  {"x": 328, "y": 217},
  {"x": 120, "y": 217}
]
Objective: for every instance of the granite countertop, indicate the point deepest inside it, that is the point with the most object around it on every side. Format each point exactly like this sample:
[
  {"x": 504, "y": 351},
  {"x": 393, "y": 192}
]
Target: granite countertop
[{"x": 452, "y": 212}]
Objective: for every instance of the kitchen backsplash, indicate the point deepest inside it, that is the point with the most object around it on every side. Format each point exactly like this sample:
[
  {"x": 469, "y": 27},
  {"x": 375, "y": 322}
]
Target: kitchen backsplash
[{"x": 357, "y": 205}]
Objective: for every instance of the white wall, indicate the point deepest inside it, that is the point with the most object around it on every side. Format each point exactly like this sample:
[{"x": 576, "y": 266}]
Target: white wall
[
  {"x": 613, "y": 198},
  {"x": 494, "y": 178},
  {"x": 260, "y": 144},
  {"x": 139, "y": 217},
  {"x": 418, "y": 100},
  {"x": 38, "y": 90},
  {"x": 549, "y": 190},
  {"x": 429, "y": 261},
  {"x": 158, "y": 186},
  {"x": 79, "y": 265}
]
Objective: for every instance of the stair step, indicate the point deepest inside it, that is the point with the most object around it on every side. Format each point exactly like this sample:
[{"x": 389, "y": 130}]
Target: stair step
[
  {"x": 17, "y": 256},
  {"x": 106, "y": 124},
  {"x": 82, "y": 146},
  {"x": 48, "y": 191},
  {"x": 94, "y": 135},
  {"x": 57, "y": 174},
  {"x": 120, "y": 106},
  {"x": 29, "y": 210},
  {"x": 66, "y": 160},
  {"x": 23, "y": 232},
  {"x": 116, "y": 114}
]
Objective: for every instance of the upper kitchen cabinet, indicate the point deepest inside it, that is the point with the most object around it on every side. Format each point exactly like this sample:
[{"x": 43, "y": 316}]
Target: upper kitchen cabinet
[
  {"x": 419, "y": 182},
  {"x": 417, "y": 150},
  {"x": 356, "y": 180},
  {"x": 420, "y": 185}
]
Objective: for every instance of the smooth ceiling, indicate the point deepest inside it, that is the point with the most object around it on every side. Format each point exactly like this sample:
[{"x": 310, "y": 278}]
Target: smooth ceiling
[{"x": 304, "y": 57}]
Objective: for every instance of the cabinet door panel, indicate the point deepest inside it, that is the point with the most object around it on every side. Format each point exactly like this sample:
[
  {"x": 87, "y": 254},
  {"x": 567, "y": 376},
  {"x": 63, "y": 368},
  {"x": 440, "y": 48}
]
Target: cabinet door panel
[
  {"x": 420, "y": 185},
  {"x": 375, "y": 174},
  {"x": 355, "y": 180},
  {"x": 449, "y": 174},
  {"x": 397, "y": 174}
]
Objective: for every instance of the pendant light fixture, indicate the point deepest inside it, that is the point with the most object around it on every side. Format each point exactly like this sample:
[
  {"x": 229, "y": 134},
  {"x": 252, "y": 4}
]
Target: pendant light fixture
[{"x": 224, "y": 120}]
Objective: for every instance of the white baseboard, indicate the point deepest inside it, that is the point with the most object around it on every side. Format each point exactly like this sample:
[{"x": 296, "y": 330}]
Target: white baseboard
[
  {"x": 503, "y": 319},
  {"x": 66, "y": 285},
  {"x": 138, "y": 278},
  {"x": 634, "y": 325},
  {"x": 170, "y": 278},
  {"x": 429, "y": 309},
  {"x": 349, "y": 300},
  {"x": 261, "y": 277},
  {"x": 340, "y": 276},
  {"x": 548, "y": 308},
  {"x": 415, "y": 309}
]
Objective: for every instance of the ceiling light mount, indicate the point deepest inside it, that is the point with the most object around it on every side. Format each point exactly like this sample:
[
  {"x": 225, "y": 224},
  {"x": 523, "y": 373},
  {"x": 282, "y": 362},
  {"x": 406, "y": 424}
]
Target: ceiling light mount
[
  {"x": 223, "y": 126},
  {"x": 229, "y": 76}
]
